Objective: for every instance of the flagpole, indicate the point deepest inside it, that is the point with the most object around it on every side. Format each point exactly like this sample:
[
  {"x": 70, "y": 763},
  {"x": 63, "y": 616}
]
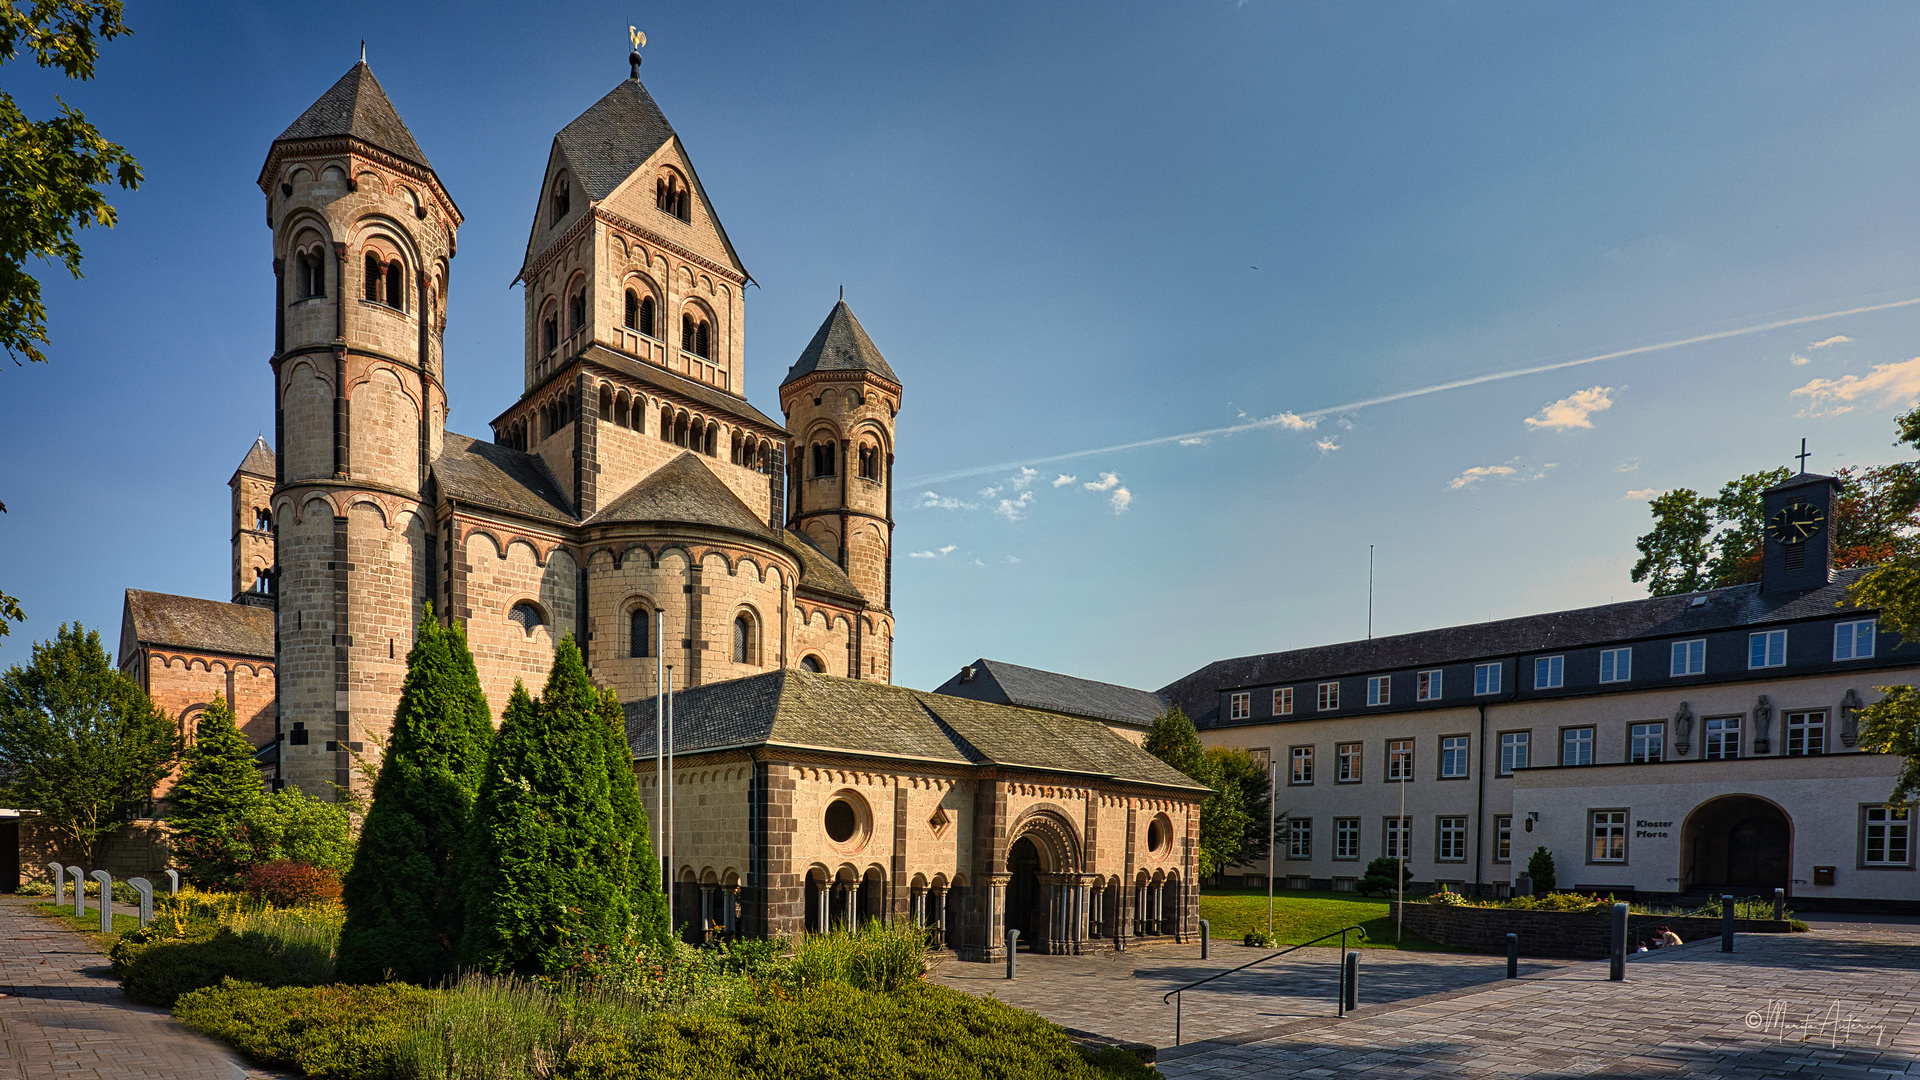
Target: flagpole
[
  {"x": 660, "y": 745},
  {"x": 670, "y": 915}
]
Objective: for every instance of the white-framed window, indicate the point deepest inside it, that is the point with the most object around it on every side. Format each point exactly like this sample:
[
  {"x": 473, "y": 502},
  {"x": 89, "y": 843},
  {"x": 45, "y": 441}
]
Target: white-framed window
[
  {"x": 1346, "y": 838},
  {"x": 1451, "y": 841},
  {"x": 1722, "y": 741},
  {"x": 1261, "y": 757},
  {"x": 1503, "y": 838},
  {"x": 1576, "y": 746},
  {"x": 1689, "y": 657},
  {"x": 1283, "y": 701},
  {"x": 1549, "y": 672},
  {"x": 1394, "y": 838},
  {"x": 1486, "y": 679},
  {"x": 1302, "y": 765},
  {"x": 1453, "y": 757},
  {"x": 1806, "y": 734},
  {"x": 1399, "y": 760},
  {"x": 1300, "y": 838},
  {"x": 1647, "y": 742},
  {"x": 1609, "y": 830},
  {"x": 1329, "y": 696},
  {"x": 1239, "y": 706},
  {"x": 1616, "y": 665},
  {"x": 1429, "y": 686},
  {"x": 1853, "y": 640},
  {"x": 1767, "y": 649},
  {"x": 1514, "y": 746},
  {"x": 1348, "y": 754},
  {"x": 1379, "y": 689},
  {"x": 1886, "y": 835}
]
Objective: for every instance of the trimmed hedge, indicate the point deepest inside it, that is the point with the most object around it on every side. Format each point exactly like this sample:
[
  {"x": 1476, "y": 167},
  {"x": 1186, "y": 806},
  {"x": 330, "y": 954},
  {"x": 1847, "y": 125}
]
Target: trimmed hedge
[
  {"x": 339, "y": 1032},
  {"x": 159, "y": 972}
]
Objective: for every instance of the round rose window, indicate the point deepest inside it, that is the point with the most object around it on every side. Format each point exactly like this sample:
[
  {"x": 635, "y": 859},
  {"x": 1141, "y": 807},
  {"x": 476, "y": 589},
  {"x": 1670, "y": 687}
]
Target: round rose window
[{"x": 841, "y": 821}]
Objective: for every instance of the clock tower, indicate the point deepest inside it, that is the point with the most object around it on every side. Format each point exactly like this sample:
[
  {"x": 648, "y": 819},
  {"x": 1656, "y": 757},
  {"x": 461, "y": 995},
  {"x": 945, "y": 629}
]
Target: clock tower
[{"x": 1797, "y": 547}]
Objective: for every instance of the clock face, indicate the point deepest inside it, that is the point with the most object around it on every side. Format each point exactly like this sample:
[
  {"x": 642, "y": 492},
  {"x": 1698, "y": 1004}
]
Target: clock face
[{"x": 1796, "y": 524}]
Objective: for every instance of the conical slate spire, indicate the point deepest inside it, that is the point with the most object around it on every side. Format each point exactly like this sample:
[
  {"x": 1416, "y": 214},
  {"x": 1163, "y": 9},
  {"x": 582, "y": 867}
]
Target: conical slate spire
[
  {"x": 615, "y": 136},
  {"x": 840, "y": 345},
  {"x": 356, "y": 107},
  {"x": 259, "y": 459}
]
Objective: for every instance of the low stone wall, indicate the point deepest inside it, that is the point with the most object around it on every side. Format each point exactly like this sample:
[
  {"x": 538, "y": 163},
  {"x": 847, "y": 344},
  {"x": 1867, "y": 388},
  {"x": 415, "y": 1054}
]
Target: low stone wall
[
  {"x": 1562, "y": 935},
  {"x": 138, "y": 848}
]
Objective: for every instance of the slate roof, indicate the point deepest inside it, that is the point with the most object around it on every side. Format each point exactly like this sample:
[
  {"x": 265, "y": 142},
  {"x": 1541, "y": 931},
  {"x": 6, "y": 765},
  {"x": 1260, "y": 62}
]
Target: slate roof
[
  {"x": 358, "y": 108},
  {"x": 818, "y": 571},
  {"x": 188, "y": 622},
  {"x": 1660, "y": 616},
  {"x": 797, "y": 709},
  {"x": 1011, "y": 684},
  {"x": 259, "y": 459},
  {"x": 840, "y": 345},
  {"x": 684, "y": 490},
  {"x": 487, "y": 474}
]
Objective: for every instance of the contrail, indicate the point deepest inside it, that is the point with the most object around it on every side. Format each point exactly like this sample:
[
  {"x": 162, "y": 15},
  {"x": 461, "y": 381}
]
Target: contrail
[{"x": 1304, "y": 419}]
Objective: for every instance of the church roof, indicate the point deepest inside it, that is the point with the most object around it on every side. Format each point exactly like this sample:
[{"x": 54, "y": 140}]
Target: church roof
[
  {"x": 800, "y": 710},
  {"x": 490, "y": 475},
  {"x": 1011, "y": 684},
  {"x": 259, "y": 459},
  {"x": 818, "y": 571},
  {"x": 840, "y": 345},
  {"x": 684, "y": 491},
  {"x": 188, "y": 622},
  {"x": 356, "y": 107}
]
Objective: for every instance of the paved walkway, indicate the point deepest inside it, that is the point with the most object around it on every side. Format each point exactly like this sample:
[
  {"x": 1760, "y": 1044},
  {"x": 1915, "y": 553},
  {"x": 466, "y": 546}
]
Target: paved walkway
[{"x": 62, "y": 1014}]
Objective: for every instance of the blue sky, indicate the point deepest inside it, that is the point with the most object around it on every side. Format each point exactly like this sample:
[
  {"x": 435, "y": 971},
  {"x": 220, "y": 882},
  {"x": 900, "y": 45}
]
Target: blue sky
[{"x": 1077, "y": 226}]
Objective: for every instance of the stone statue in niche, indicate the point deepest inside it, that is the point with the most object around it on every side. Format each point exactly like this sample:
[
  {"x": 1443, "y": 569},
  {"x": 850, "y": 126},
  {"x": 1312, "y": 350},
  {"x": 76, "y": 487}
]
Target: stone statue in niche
[
  {"x": 1682, "y": 729},
  {"x": 1762, "y": 723},
  {"x": 1850, "y": 707}
]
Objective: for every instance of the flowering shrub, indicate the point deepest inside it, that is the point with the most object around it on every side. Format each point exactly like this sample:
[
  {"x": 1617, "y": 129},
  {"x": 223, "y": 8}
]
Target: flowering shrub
[{"x": 291, "y": 884}]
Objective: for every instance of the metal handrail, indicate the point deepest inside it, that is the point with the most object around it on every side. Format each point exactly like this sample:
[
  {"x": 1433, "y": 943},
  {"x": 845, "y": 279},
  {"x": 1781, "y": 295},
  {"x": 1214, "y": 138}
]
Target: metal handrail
[{"x": 1340, "y": 994}]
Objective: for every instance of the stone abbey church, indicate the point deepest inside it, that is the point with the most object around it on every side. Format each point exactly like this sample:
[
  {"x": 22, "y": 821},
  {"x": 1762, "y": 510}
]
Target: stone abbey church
[{"x": 633, "y": 497}]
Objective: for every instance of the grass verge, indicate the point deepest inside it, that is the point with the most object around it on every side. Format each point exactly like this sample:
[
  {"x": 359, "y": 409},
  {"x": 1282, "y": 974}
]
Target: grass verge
[
  {"x": 89, "y": 924},
  {"x": 1304, "y": 914}
]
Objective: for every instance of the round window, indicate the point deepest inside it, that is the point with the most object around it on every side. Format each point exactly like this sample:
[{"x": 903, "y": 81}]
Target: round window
[
  {"x": 1156, "y": 835},
  {"x": 841, "y": 821}
]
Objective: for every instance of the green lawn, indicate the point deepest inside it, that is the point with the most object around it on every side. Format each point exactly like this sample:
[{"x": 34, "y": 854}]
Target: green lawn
[
  {"x": 89, "y": 924},
  {"x": 1302, "y": 915}
]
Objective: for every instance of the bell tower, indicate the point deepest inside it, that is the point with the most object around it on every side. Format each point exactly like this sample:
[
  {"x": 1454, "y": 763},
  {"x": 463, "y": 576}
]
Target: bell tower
[
  {"x": 362, "y": 235},
  {"x": 840, "y": 399}
]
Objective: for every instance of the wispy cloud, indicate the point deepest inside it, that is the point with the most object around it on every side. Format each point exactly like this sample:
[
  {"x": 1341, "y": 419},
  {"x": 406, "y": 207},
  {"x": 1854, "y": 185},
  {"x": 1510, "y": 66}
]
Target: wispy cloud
[
  {"x": 1014, "y": 509},
  {"x": 1195, "y": 441},
  {"x": 1291, "y": 420},
  {"x": 1023, "y": 479},
  {"x": 1897, "y": 385},
  {"x": 1327, "y": 445},
  {"x": 1644, "y": 494},
  {"x": 1628, "y": 465},
  {"x": 940, "y": 554},
  {"x": 1107, "y": 482},
  {"x": 1479, "y": 473},
  {"x": 1063, "y": 480},
  {"x": 1120, "y": 500},
  {"x": 1295, "y": 422},
  {"x": 1798, "y": 361},
  {"x": 1837, "y": 339},
  {"x": 933, "y": 500},
  {"x": 1573, "y": 410},
  {"x": 1011, "y": 559}
]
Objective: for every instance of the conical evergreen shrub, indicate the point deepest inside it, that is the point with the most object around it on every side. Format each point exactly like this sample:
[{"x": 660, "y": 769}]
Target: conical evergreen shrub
[
  {"x": 403, "y": 896},
  {"x": 219, "y": 784},
  {"x": 543, "y": 885},
  {"x": 646, "y": 904}
]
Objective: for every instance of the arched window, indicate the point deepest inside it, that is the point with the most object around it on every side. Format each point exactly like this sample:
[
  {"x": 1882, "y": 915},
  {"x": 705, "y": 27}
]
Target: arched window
[
  {"x": 680, "y": 430},
  {"x": 577, "y": 312},
  {"x": 310, "y": 274},
  {"x": 647, "y": 322},
  {"x": 620, "y": 410},
  {"x": 549, "y": 334},
  {"x": 606, "y": 403},
  {"x": 562, "y": 198},
  {"x": 870, "y": 463},
  {"x": 373, "y": 276},
  {"x": 666, "y": 423},
  {"x": 527, "y": 616},
  {"x": 637, "y": 633},
  {"x": 823, "y": 463},
  {"x": 712, "y": 447},
  {"x": 742, "y": 640},
  {"x": 396, "y": 286},
  {"x": 812, "y": 663},
  {"x": 633, "y": 310},
  {"x": 670, "y": 194}
]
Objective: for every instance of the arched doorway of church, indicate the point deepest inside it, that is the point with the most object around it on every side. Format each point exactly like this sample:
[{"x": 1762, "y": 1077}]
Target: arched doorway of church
[
  {"x": 1024, "y": 897},
  {"x": 1737, "y": 842}
]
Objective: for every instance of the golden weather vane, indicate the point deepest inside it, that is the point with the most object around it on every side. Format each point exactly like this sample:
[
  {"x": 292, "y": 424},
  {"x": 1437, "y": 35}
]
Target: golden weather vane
[{"x": 639, "y": 41}]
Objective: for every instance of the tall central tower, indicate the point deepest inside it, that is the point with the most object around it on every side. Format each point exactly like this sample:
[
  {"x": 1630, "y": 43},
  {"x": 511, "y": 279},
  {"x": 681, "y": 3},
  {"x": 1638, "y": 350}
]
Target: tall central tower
[{"x": 362, "y": 235}]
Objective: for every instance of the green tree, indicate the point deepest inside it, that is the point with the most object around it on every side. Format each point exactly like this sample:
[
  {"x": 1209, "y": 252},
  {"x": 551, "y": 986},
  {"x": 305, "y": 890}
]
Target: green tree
[
  {"x": 1380, "y": 877},
  {"x": 1254, "y": 786},
  {"x": 404, "y": 911},
  {"x": 542, "y": 878},
  {"x": 80, "y": 742},
  {"x": 1739, "y": 515},
  {"x": 1541, "y": 871},
  {"x": 1173, "y": 739},
  {"x": 640, "y": 868},
  {"x": 1891, "y": 725},
  {"x": 218, "y": 787},
  {"x": 291, "y": 824},
  {"x": 1674, "y": 555},
  {"x": 1223, "y": 819},
  {"x": 10, "y": 611},
  {"x": 51, "y": 170}
]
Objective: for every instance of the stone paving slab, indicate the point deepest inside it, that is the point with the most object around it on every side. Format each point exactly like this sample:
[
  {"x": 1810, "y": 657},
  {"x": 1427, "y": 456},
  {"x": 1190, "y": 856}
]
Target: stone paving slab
[
  {"x": 62, "y": 1014},
  {"x": 1836, "y": 1003}
]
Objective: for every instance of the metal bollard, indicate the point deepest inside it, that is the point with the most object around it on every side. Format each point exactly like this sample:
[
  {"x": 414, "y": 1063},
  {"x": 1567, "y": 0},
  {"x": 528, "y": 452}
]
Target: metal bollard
[
  {"x": 1617, "y": 958},
  {"x": 1206, "y": 939},
  {"x": 1513, "y": 956},
  {"x": 145, "y": 889},
  {"x": 173, "y": 883},
  {"x": 1726, "y": 923},
  {"x": 1013, "y": 950},
  {"x": 1351, "y": 972},
  {"x": 79, "y": 877},
  {"x": 106, "y": 900},
  {"x": 59, "y": 875},
  {"x": 1779, "y": 905}
]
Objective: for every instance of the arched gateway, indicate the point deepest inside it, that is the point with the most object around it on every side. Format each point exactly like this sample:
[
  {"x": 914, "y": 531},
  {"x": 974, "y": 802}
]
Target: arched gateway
[
  {"x": 1737, "y": 842},
  {"x": 1046, "y": 900}
]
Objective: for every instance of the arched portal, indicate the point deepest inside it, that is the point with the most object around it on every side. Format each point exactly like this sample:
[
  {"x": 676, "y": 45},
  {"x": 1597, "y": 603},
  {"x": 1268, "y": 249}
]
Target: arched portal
[
  {"x": 1045, "y": 899},
  {"x": 1023, "y": 890},
  {"x": 1737, "y": 841}
]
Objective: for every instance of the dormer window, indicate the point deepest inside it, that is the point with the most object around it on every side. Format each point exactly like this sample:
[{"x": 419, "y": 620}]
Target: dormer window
[
  {"x": 696, "y": 335},
  {"x": 562, "y": 200},
  {"x": 671, "y": 195}
]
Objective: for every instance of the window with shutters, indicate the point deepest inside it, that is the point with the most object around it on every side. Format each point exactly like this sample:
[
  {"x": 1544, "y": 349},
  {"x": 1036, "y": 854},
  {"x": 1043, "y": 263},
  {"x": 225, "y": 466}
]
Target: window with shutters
[
  {"x": 742, "y": 640},
  {"x": 638, "y": 635}
]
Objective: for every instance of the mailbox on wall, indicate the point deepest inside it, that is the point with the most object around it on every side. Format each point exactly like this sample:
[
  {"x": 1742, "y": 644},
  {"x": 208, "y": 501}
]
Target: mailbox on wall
[{"x": 1823, "y": 875}]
